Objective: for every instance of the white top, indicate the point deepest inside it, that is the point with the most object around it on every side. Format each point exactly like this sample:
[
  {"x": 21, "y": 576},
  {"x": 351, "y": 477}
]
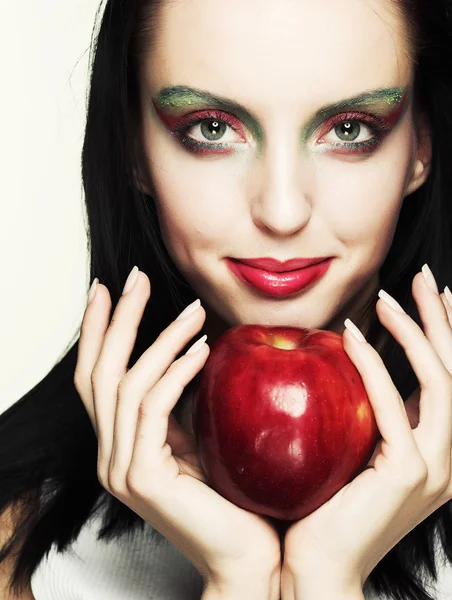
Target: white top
[
  {"x": 132, "y": 569},
  {"x": 127, "y": 568}
]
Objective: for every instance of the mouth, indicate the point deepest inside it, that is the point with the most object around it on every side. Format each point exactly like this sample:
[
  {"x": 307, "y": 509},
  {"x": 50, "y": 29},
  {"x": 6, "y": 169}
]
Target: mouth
[
  {"x": 277, "y": 266},
  {"x": 279, "y": 283}
]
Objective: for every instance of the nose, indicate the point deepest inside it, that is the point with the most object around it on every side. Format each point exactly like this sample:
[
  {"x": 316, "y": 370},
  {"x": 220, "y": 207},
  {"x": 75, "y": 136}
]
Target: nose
[{"x": 281, "y": 202}]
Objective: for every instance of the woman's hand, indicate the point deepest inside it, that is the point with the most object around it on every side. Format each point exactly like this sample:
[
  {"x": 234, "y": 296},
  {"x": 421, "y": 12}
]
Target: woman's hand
[
  {"x": 409, "y": 474},
  {"x": 147, "y": 461}
]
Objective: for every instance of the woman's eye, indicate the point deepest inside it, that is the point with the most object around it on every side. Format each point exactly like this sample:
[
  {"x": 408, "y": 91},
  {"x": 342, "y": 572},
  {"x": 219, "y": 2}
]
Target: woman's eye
[
  {"x": 349, "y": 131},
  {"x": 213, "y": 130}
]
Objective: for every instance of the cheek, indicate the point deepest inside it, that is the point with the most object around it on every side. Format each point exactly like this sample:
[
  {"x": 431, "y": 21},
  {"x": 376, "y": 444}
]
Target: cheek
[
  {"x": 200, "y": 200},
  {"x": 361, "y": 201},
  {"x": 197, "y": 199}
]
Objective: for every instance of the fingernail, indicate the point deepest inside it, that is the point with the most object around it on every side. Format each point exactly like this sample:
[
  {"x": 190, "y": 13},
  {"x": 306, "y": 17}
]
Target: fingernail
[
  {"x": 428, "y": 276},
  {"x": 189, "y": 310},
  {"x": 92, "y": 290},
  {"x": 448, "y": 295},
  {"x": 131, "y": 279},
  {"x": 354, "y": 329},
  {"x": 390, "y": 301},
  {"x": 197, "y": 345}
]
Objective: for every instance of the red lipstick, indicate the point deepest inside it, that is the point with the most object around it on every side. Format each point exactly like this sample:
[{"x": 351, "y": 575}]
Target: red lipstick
[
  {"x": 277, "y": 278},
  {"x": 278, "y": 266}
]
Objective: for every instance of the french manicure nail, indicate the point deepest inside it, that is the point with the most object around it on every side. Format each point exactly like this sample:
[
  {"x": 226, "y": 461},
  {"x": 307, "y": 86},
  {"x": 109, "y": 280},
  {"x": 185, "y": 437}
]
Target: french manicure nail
[
  {"x": 189, "y": 310},
  {"x": 92, "y": 290},
  {"x": 197, "y": 345},
  {"x": 390, "y": 301},
  {"x": 131, "y": 279},
  {"x": 429, "y": 278},
  {"x": 448, "y": 295},
  {"x": 354, "y": 329}
]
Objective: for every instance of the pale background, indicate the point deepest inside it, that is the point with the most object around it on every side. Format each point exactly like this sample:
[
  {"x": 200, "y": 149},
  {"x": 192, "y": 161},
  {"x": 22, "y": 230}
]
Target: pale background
[{"x": 44, "y": 50}]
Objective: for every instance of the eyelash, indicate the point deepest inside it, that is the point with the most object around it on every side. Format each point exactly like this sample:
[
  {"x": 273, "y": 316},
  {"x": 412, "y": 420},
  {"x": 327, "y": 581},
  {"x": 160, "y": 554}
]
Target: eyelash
[
  {"x": 378, "y": 126},
  {"x": 184, "y": 125}
]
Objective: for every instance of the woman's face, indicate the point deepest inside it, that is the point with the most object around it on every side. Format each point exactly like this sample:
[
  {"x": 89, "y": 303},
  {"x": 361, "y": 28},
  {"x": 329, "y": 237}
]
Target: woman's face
[{"x": 315, "y": 162}]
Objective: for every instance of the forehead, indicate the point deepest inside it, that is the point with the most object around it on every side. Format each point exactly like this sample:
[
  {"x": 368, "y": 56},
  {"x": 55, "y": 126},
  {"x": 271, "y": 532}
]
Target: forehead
[{"x": 271, "y": 52}]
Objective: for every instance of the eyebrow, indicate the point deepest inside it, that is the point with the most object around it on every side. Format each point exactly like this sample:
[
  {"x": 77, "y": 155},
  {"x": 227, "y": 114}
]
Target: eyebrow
[
  {"x": 179, "y": 96},
  {"x": 175, "y": 96}
]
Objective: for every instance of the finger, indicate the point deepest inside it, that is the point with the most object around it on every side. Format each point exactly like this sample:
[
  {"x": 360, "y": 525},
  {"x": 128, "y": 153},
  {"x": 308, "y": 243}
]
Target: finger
[
  {"x": 112, "y": 363},
  {"x": 436, "y": 323},
  {"x": 387, "y": 404},
  {"x": 434, "y": 319},
  {"x": 94, "y": 325},
  {"x": 150, "y": 450},
  {"x": 433, "y": 377},
  {"x": 140, "y": 380},
  {"x": 447, "y": 306}
]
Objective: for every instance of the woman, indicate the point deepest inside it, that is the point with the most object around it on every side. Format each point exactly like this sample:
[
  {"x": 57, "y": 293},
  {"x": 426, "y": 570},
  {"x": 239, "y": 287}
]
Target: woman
[{"x": 221, "y": 132}]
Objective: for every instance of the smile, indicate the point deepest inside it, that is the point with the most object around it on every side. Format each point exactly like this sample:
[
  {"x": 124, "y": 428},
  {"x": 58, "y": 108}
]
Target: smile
[{"x": 279, "y": 284}]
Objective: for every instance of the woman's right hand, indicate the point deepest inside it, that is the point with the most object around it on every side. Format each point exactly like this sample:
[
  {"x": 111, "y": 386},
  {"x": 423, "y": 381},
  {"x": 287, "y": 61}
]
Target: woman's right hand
[{"x": 146, "y": 460}]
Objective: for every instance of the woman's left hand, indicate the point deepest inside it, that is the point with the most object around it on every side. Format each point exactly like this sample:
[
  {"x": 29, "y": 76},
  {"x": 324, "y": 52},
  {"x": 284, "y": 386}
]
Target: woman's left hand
[{"x": 409, "y": 474}]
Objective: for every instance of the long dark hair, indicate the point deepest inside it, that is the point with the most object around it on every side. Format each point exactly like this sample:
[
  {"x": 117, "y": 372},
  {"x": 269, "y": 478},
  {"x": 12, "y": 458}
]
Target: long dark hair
[{"x": 48, "y": 449}]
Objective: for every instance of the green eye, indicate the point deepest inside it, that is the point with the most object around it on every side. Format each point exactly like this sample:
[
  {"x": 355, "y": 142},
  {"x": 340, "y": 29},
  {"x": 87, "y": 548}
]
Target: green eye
[
  {"x": 348, "y": 131},
  {"x": 213, "y": 130}
]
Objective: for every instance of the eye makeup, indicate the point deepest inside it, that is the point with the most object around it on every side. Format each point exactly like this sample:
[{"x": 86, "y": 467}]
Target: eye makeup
[
  {"x": 179, "y": 126},
  {"x": 171, "y": 106},
  {"x": 379, "y": 111}
]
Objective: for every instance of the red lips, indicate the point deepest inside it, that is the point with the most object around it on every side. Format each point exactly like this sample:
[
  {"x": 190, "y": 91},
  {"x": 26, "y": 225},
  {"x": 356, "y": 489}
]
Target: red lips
[
  {"x": 279, "y": 282},
  {"x": 277, "y": 266}
]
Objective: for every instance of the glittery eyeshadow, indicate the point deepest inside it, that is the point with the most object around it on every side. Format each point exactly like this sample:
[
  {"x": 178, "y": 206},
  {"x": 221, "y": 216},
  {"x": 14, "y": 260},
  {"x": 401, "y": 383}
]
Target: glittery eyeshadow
[
  {"x": 380, "y": 102},
  {"x": 386, "y": 103},
  {"x": 180, "y": 97}
]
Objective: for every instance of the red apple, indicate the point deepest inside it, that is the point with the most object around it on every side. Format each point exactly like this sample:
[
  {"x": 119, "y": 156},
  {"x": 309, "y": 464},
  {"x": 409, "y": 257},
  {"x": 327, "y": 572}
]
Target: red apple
[{"x": 281, "y": 419}]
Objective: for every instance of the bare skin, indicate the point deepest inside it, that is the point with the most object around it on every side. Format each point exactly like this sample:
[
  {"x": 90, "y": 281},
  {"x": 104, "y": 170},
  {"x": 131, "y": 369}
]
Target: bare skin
[
  {"x": 277, "y": 193},
  {"x": 286, "y": 200}
]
